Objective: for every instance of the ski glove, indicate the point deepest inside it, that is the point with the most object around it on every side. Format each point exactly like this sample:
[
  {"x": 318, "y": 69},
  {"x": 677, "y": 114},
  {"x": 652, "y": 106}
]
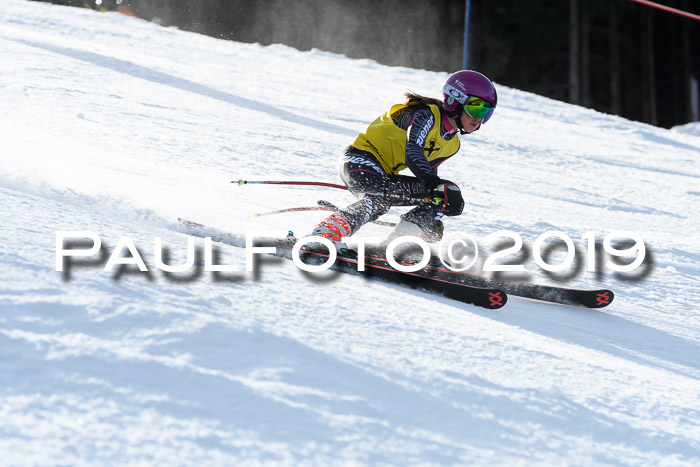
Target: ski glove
[{"x": 449, "y": 195}]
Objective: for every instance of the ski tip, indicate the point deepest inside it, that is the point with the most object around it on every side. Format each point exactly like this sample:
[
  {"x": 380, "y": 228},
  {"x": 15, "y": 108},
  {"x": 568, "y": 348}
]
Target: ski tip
[
  {"x": 602, "y": 298},
  {"x": 496, "y": 299}
]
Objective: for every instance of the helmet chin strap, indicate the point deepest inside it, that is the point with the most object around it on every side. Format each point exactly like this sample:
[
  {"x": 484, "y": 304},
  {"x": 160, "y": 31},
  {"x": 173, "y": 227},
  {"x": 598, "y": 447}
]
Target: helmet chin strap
[
  {"x": 455, "y": 115},
  {"x": 462, "y": 131}
]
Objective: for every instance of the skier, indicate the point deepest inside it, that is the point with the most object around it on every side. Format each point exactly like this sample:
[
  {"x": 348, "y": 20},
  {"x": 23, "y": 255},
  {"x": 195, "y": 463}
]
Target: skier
[{"x": 419, "y": 134}]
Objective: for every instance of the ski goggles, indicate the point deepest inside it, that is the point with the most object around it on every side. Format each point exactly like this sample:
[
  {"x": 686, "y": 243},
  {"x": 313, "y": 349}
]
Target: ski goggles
[{"x": 477, "y": 108}]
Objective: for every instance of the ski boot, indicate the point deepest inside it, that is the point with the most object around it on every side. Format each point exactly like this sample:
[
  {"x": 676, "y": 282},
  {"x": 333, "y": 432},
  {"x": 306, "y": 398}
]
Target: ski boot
[
  {"x": 433, "y": 233},
  {"x": 429, "y": 232},
  {"x": 334, "y": 228}
]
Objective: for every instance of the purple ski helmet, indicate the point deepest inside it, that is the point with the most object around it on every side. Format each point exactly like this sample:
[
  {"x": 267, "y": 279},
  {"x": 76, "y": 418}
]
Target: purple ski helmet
[{"x": 462, "y": 84}]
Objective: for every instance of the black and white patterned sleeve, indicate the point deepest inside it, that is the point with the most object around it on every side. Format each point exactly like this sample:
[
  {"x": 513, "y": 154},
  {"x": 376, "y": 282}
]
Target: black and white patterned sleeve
[{"x": 423, "y": 122}]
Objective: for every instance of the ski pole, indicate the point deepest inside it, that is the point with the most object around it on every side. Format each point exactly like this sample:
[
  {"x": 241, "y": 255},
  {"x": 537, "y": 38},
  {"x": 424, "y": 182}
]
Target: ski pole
[
  {"x": 415, "y": 196},
  {"x": 287, "y": 182},
  {"x": 304, "y": 208},
  {"x": 322, "y": 206},
  {"x": 427, "y": 196}
]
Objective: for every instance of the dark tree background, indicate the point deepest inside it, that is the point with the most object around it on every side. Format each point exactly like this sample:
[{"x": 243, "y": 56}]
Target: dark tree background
[{"x": 615, "y": 56}]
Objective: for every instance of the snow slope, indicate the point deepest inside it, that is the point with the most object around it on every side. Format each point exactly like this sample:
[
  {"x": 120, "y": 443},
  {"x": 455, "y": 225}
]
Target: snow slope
[
  {"x": 118, "y": 126},
  {"x": 692, "y": 128}
]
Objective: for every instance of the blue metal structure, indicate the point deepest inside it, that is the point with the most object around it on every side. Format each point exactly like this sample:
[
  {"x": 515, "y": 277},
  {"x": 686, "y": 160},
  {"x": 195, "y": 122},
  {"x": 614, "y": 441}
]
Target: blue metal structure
[{"x": 467, "y": 14}]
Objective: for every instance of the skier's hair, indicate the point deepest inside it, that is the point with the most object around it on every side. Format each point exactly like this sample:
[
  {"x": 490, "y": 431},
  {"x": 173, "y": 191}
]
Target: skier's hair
[{"x": 416, "y": 99}]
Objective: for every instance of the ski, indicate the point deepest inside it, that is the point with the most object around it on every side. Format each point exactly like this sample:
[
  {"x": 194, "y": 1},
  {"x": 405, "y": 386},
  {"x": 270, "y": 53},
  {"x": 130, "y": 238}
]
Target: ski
[
  {"x": 465, "y": 287},
  {"x": 589, "y": 298},
  {"x": 485, "y": 297}
]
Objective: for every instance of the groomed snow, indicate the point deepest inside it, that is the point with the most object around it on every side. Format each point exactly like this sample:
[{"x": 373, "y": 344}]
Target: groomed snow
[
  {"x": 692, "y": 128},
  {"x": 115, "y": 125}
]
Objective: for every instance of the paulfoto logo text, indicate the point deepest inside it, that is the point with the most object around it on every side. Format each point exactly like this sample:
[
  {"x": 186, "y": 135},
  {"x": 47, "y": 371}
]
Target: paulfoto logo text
[{"x": 458, "y": 252}]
